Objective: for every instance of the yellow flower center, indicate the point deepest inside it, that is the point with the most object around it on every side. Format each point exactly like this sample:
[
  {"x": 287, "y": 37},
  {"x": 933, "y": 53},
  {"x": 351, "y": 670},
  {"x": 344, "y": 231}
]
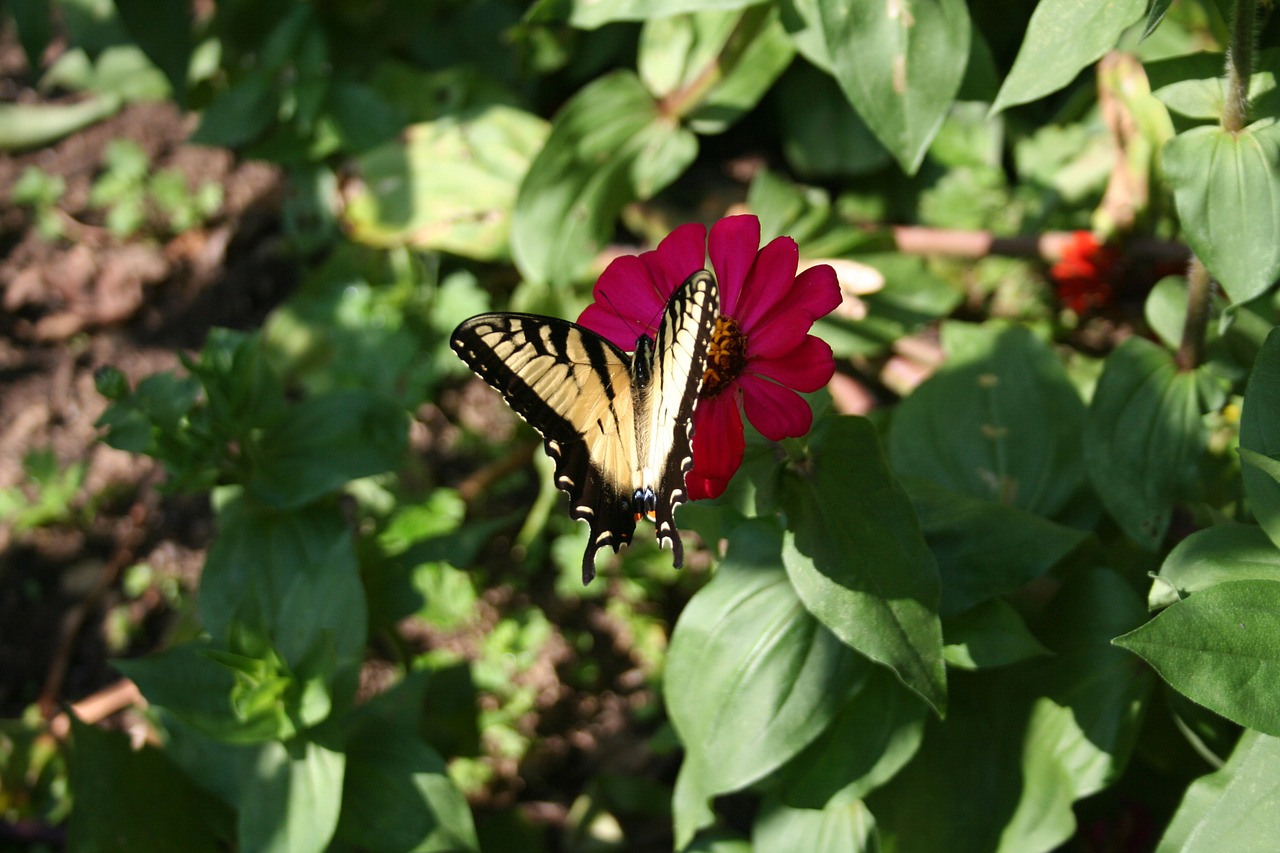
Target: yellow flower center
[{"x": 726, "y": 356}]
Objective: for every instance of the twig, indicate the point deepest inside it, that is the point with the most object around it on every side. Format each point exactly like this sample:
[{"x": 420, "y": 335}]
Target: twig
[
  {"x": 74, "y": 620},
  {"x": 92, "y": 709},
  {"x": 1048, "y": 246},
  {"x": 470, "y": 488}
]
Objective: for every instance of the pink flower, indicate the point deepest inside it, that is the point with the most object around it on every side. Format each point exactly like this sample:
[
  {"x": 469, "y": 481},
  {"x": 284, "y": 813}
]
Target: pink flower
[{"x": 761, "y": 353}]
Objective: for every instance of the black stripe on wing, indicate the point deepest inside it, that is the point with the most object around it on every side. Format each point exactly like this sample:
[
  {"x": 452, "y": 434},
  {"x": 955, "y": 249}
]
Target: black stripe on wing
[
  {"x": 543, "y": 348},
  {"x": 680, "y": 354}
]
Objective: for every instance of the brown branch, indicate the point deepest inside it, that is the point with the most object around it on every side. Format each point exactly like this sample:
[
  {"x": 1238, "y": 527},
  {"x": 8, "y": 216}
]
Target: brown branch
[
  {"x": 471, "y": 488},
  {"x": 1048, "y": 246},
  {"x": 1191, "y": 348}
]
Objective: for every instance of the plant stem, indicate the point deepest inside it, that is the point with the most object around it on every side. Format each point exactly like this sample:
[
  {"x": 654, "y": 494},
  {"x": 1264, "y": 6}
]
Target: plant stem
[
  {"x": 1193, "y": 330},
  {"x": 1235, "y": 113}
]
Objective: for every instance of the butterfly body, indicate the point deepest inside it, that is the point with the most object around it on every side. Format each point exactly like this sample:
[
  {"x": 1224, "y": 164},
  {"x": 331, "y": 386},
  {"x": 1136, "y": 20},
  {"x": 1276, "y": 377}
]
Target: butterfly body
[{"x": 617, "y": 426}]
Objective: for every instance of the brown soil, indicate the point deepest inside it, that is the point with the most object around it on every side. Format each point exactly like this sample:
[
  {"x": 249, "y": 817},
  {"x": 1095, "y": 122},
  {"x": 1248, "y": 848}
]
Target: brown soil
[{"x": 76, "y": 304}]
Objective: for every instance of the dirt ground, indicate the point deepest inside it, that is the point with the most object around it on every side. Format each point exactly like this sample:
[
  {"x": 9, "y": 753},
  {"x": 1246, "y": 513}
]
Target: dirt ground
[{"x": 70, "y": 307}]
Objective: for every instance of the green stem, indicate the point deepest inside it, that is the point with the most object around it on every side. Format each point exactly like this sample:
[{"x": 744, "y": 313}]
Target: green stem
[
  {"x": 1235, "y": 113},
  {"x": 1191, "y": 349}
]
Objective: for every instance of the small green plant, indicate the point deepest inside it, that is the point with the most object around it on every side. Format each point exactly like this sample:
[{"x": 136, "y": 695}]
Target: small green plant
[
  {"x": 42, "y": 191},
  {"x": 47, "y": 496},
  {"x": 132, "y": 196}
]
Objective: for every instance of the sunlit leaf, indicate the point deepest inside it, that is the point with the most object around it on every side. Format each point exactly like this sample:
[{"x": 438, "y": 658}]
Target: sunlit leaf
[
  {"x": 900, "y": 65},
  {"x": 1062, "y": 38},
  {"x": 1227, "y": 190},
  {"x": 609, "y": 145},
  {"x": 1143, "y": 438},
  {"x": 1221, "y": 648},
  {"x": 1234, "y": 808}
]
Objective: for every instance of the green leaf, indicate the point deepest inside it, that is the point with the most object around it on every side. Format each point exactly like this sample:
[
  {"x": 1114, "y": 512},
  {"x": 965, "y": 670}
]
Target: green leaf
[
  {"x": 448, "y": 184},
  {"x": 1090, "y": 695},
  {"x": 876, "y": 733},
  {"x": 1221, "y": 648},
  {"x": 990, "y": 634},
  {"x": 715, "y": 65},
  {"x": 748, "y": 664},
  {"x": 34, "y": 24},
  {"x": 118, "y": 789},
  {"x": 323, "y": 443},
  {"x": 1143, "y": 438},
  {"x": 238, "y": 115},
  {"x": 191, "y": 685},
  {"x": 841, "y": 827},
  {"x": 1063, "y": 37},
  {"x": 857, "y": 559},
  {"x": 290, "y": 796},
  {"x": 292, "y": 576},
  {"x": 1155, "y": 15},
  {"x": 609, "y": 145},
  {"x": 397, "y": 794},
  {"x": 587, "y": 14},
  {"x": 1234, "y": 808},
  {"x": 1195, "y": 85},
  {"x": 822, "y": 136},
  {"x": 35, "y": 125},
  {"x": 163, "y": 31},
  {"x": 1226, "y": 552},
  {"x": 1226, "y": 187},
  {"x": 1001, "y": 421},
  {"x": 985, "y": 549},
  {"x": 967, "y": 777},
  {"x": 899, "y": 65},
  {"x": 1257, "y": 435}
]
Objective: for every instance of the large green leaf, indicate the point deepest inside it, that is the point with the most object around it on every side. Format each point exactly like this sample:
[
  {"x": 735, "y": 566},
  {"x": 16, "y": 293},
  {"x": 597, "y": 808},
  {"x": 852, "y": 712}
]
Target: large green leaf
[
  {"x": 324, "y": 442},
  {"x": 1226, "y": 187},
  {"x": 290, "y": 797},
  {"x": 1091, "y": 710},
  {"x": 163, "y": 31},
  {"x": 713, "y": 66},
  {"x": 293, "y": 575},
  {"x": 840, "y": 827},
  {"x": 990, "y": 634},
  {"x": 1062, "y": 38},
  {"x": 1001, "y": 421},
  {"x": 128, "y": 799},
  {"x": 448, "y": 184},
  {"x": 876, "y": 733},
  {"x": 1226, "y": 552},
  {"x": 1143, "y": 438},
  {"x": 397, "y": 795},
  {"x": 965, "y": 781},
  {"x": 748, "y": 664},
  {"x": 983, "y": 548},
  {"x": 1236, "y": 808},
  {"x": 609, "y": 145},
  {"x": 857, "y": 559},
  {"x": 589, "y": 14},
  {"x": 900, "y": 65},
  {"x": 1221, "y": 648},
  {"x": 1258, "y": 435}
]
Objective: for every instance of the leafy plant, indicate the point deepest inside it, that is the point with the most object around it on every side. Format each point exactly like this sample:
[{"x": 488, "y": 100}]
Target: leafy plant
[
  {"x": 49, "y": 495},
  {"x": 131, "y": 193},
  {"x": 42, "y": 192},
  {"x": 945, "y": 604}
]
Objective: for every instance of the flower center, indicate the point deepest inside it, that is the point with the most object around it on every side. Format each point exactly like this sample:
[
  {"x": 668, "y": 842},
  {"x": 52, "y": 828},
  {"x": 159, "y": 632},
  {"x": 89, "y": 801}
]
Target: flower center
[{"x": 726, "y": 356}]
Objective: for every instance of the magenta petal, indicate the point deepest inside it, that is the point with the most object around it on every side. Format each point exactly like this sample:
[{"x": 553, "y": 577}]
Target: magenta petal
[
  {"x": 776, "y": 411},
  {"x": 600, "y": 319},
  {"x": 778, "y": 333},
  {"x": 718, "y": 441},
  {"x": 807, "y": 367},
  {"x": 680, "y": 254},
  {"x": 627, "y": 291},
  {"x": 732, "y": 247},
  {"x": 816, "y": 290},
  {"x": 769, "y": 282}
]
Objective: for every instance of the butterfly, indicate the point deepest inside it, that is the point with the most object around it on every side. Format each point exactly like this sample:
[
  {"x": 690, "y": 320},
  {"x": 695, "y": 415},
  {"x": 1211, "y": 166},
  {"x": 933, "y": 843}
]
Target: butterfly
[{"x": 617, "y": 426}]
